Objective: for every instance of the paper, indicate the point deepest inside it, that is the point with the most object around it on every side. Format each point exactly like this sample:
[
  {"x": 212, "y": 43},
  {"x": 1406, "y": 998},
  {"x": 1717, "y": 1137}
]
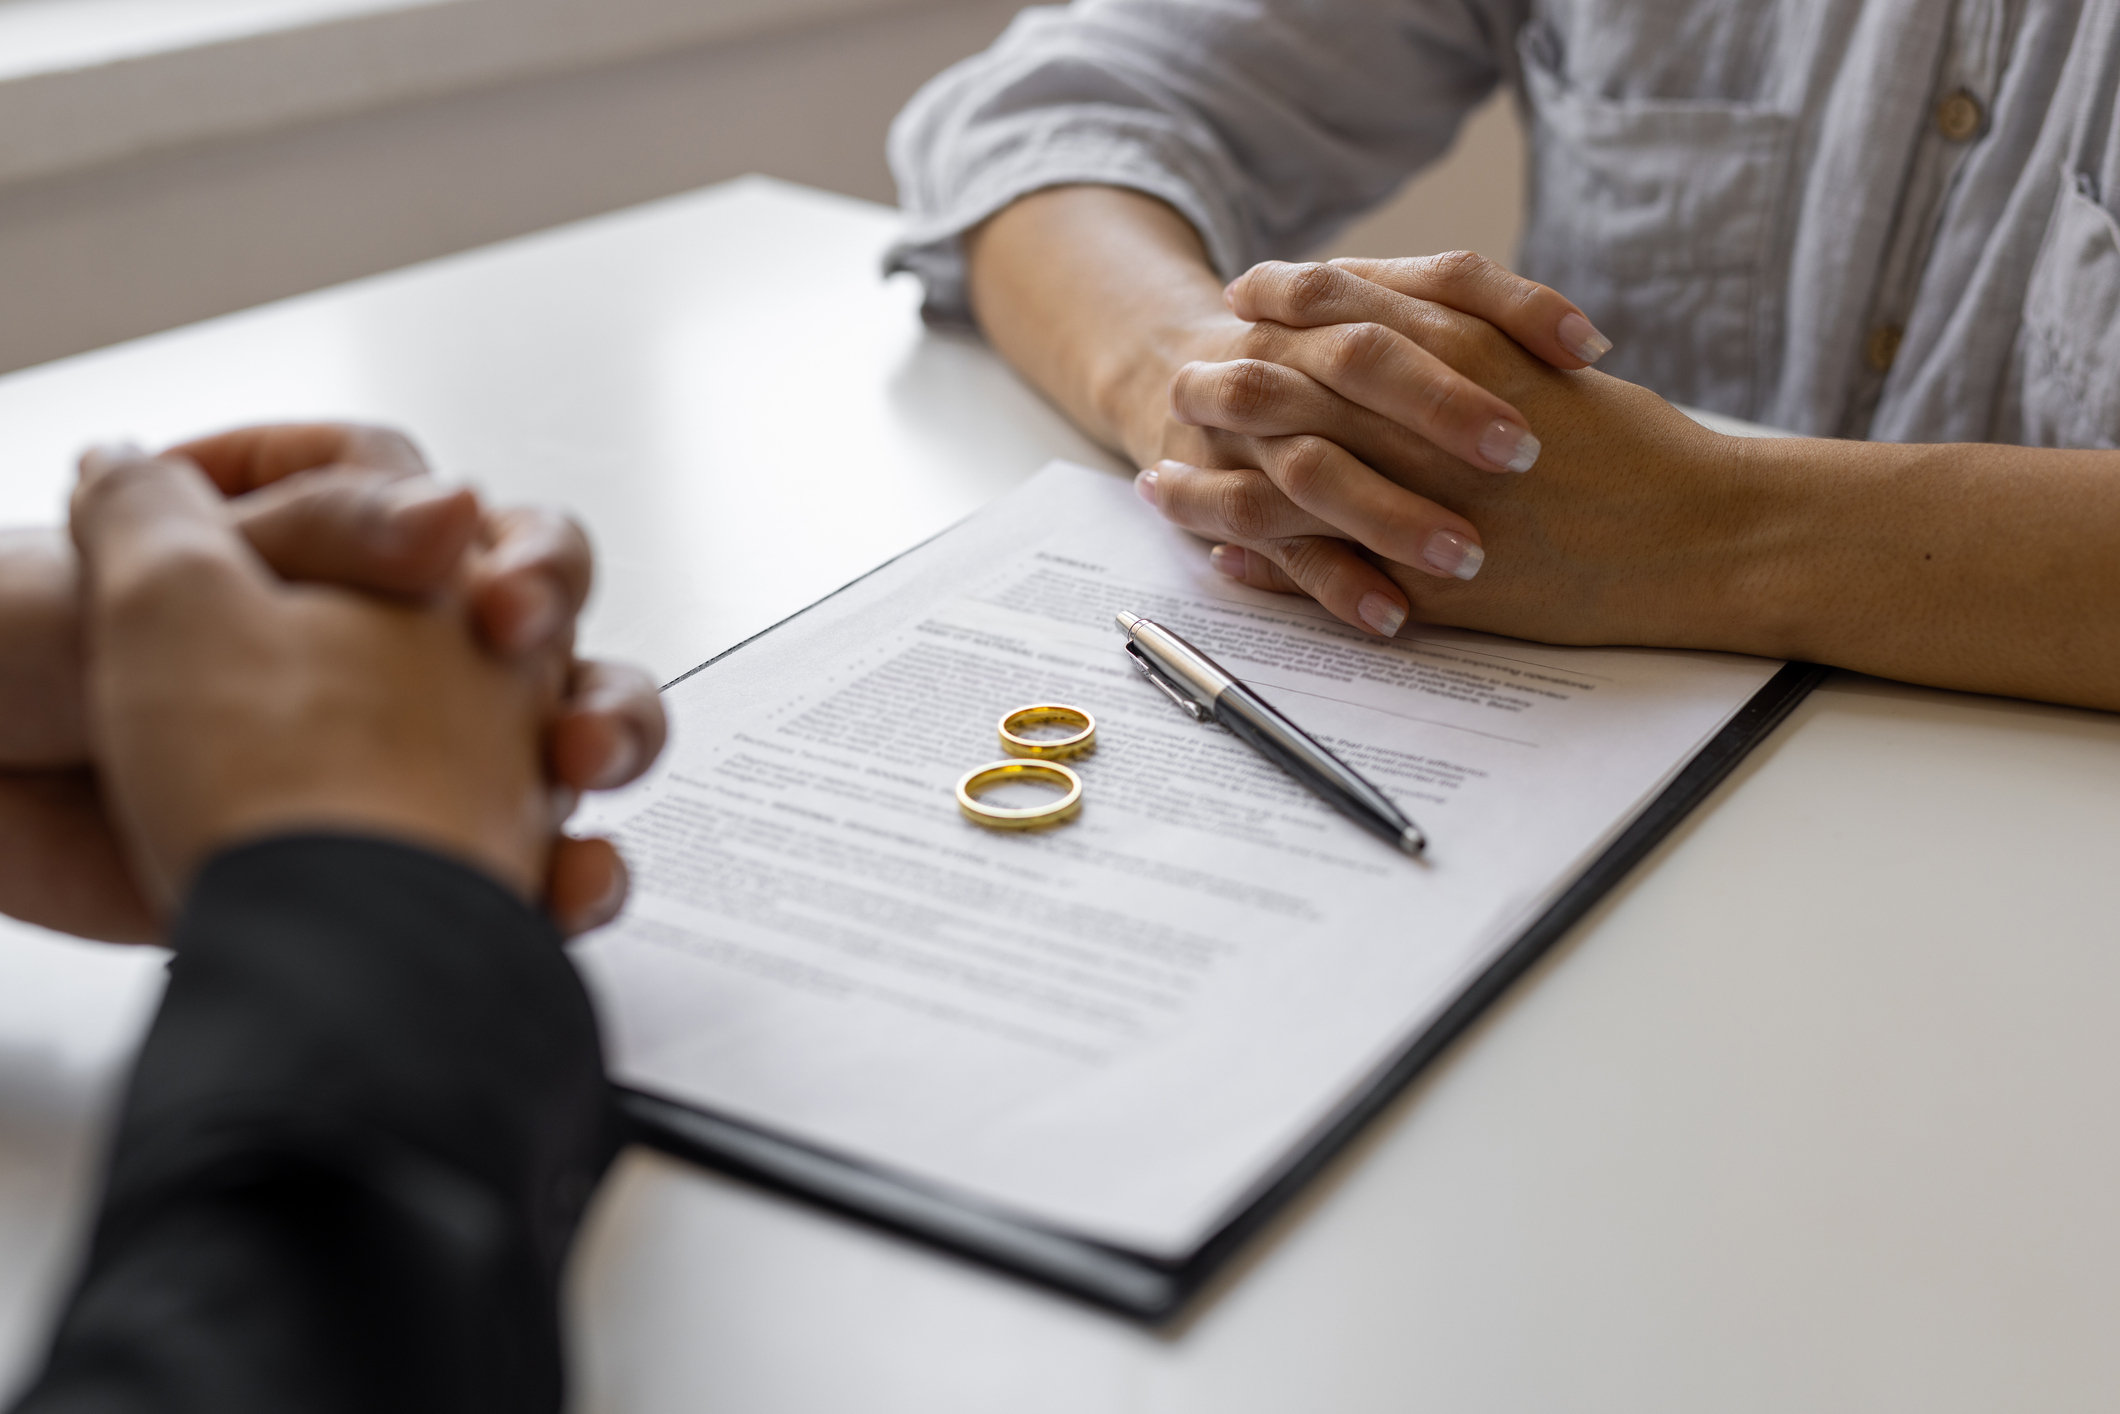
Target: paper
[{"x": 1123, "y": 1027}]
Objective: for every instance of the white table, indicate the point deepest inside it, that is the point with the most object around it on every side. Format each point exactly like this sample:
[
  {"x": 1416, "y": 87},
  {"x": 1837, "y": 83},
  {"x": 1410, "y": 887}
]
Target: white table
[{"x": 1821, "y": 1111}]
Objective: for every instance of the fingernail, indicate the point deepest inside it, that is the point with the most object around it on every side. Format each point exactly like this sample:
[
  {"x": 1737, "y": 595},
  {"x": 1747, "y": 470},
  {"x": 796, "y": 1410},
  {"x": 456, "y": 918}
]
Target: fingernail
[
  {"x": 620, "y": 768},
  {"x": 1381, "y": 614},
  {"x": 1229, "y": 559},
  {"x": 1580, "y": 337},
  {"x": 1508, "y": 446},
  {"x": 1145, "y": 485},
  {"x": 1453, "y": 554},
  {"x": 104, "y": 453},
  {"x": 403, "y": 504},
  {"x": 610, "y": 901},
  {"x": 606, "y": 905},
  {"x": 540, "y": 613}
]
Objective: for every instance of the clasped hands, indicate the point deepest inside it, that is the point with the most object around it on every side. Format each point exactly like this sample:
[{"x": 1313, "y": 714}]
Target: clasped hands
[
  {"x": 289, "y": 628},
  {"x": 1355, "y": 431}
]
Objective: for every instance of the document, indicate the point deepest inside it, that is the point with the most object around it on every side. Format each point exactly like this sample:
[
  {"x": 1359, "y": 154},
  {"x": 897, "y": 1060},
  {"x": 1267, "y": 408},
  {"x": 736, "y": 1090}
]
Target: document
[{"x": 1124, "y": 1027}]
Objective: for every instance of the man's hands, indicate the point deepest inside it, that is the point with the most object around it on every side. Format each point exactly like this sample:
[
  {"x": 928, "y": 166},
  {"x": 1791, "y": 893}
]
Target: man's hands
[
  {"x": 228, "y": 704},
  {"x": 344, "y": 503},
  {"x": 353, "y": 505}
]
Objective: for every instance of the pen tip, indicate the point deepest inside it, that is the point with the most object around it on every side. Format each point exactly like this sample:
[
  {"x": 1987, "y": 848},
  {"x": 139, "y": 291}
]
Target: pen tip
[
  {"x": 1412, "y": 841},
  {"x": 1126, "y": 620}
]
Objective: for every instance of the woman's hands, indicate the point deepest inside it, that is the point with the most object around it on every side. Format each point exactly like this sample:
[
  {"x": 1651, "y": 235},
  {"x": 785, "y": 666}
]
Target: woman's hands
[
  {"x": 1340, "y": 398},
  {"x": 1981, "y": 567},
  {"x": 1987, "y": 568},
  {"x": 1328, "y": 384},
  {"x": 1639, "y": 525}
]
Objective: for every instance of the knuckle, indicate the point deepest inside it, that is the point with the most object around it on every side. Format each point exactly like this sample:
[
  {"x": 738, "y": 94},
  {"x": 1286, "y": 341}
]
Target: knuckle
[
  {"x": 1458, "y": 267},
  {"x": 1246, "y": 390},
  {"x": 1309, "y": 289},
  {"x": 1266, "y": 339},
  {"x": 1521, "y": 293},
  {"x": 1182, "y": 390},
  {"x": 1245, "y": 508},
  {"x": 1352, "y": 350},
  {"x": 1444, "y": 395},
  {"x": 1301, "y": 466},
  {"x": 1313, "y": 562}
]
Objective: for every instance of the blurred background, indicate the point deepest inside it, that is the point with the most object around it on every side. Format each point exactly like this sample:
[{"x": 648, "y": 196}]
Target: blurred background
[{"x": 162, "y": 161}]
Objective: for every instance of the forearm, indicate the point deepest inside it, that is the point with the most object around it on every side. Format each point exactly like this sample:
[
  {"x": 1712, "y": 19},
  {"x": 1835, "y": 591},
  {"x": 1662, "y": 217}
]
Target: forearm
[
  {"x": 1097, "y": 295},
  {"x": 60, "y": 865},
  {"x": 1983, "y": 568},
  {"x": 40, "y": 651},
  {"x": 1978, "y": 567}
]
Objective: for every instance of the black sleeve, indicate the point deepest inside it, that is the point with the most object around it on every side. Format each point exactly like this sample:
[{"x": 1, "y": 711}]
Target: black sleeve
[{"x": 355, "y": 1149}]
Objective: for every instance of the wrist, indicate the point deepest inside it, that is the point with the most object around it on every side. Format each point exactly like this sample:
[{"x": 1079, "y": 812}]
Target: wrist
[
  {"x": 1130, "y": 390},
  {"x": 1097, "y": 295},
  {"x": 1798, "y": 508}
]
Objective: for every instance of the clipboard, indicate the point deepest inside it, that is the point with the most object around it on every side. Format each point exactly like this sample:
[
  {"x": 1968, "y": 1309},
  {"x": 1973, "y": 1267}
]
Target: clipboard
[{"x": 1130, "y": 1283}]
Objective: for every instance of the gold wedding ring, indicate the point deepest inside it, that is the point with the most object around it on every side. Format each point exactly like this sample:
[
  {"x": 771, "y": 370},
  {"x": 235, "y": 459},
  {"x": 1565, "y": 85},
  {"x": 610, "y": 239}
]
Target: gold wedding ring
[
  {"x": 1036, "y": 817},
  {"x": 1080, "y": 742}
]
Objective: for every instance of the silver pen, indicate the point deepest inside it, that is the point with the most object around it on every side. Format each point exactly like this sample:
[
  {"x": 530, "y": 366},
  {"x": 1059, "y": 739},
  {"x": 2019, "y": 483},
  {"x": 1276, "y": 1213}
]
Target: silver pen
[{"x": 1204, "y": 692}]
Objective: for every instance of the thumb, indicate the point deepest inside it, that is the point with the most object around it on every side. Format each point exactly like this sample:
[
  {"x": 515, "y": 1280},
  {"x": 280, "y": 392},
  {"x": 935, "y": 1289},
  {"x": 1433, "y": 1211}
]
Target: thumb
[{"x": 154, "y": 533}]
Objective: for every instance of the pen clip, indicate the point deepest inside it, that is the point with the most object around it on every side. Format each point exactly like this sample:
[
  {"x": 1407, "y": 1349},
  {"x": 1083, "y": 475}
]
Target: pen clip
[{"x": 1185, "y": 704}]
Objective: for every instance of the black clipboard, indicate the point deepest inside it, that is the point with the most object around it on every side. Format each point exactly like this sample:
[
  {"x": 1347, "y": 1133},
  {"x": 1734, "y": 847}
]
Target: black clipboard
[{"x": 1130, "y": 1283}]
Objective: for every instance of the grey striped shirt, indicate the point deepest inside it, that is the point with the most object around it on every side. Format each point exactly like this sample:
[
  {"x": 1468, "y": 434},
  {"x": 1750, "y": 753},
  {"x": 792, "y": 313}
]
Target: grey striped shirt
[{"x": 1881, "y": 218}]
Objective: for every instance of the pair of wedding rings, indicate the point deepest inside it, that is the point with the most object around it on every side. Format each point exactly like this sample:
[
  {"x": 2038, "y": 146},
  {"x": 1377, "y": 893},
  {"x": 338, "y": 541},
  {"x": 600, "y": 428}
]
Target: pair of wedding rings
[{"x": 1038, "y": 759}]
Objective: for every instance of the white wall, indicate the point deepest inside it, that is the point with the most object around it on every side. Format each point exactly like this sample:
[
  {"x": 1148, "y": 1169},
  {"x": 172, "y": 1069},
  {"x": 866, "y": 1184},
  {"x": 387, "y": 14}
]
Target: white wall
[{"x": 169, "y": 237}]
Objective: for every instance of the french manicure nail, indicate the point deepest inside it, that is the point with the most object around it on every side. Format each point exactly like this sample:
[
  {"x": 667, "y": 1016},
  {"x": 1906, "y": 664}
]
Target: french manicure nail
[
  {"x": 1229, "y": 559},
  {"x": 1145, "y": 485},
  {"x": 1453, "y": 554},
  {"x": 1508, "y": 446},
  {"x": 1381, "y": 614},
  {"x": 1580, "y": 337}
]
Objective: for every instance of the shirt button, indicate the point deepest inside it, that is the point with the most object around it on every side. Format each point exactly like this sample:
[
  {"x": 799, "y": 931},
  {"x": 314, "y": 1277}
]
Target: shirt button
[
  {"x": 1959, "y": 117},
  {"x": 1882, "y": 346}
]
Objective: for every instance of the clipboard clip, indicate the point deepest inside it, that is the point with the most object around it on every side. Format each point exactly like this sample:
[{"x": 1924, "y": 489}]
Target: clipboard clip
[{"x": 1169, "y": 689}]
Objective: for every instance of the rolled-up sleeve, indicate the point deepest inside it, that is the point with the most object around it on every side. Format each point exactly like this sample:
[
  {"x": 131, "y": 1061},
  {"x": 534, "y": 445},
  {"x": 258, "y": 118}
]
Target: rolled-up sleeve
[{"x": 1267, "y": 123}]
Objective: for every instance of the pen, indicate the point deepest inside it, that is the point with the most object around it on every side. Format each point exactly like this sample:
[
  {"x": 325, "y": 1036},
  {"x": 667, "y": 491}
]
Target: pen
[{"x": 1204, "y": 692}]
